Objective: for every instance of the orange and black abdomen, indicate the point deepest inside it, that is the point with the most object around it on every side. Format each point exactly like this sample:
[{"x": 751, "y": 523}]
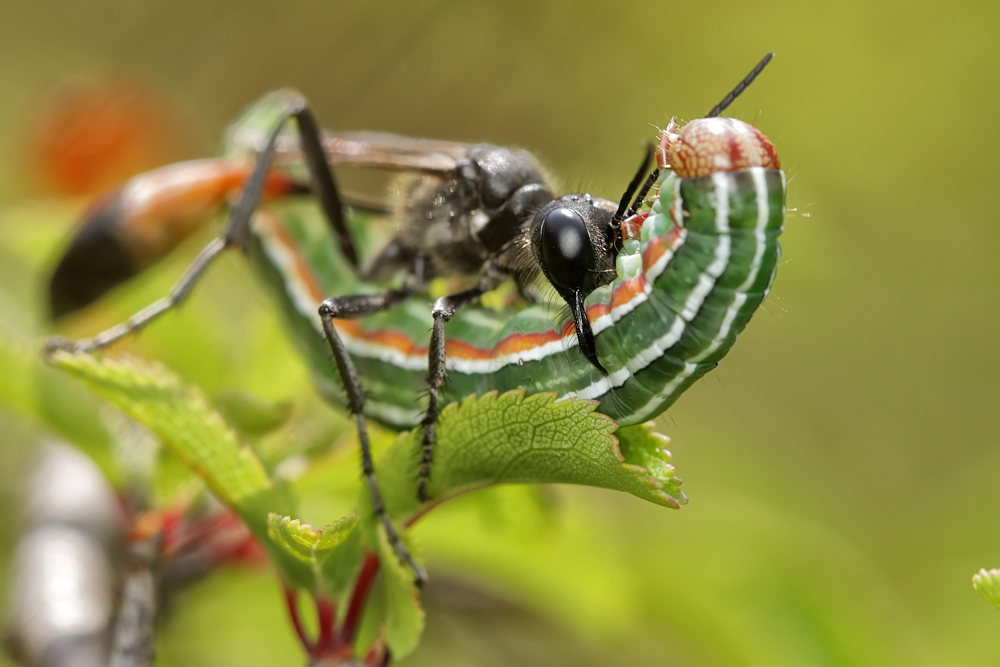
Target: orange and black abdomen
[
  {"x": 95, "y": 261},
  {"x": 131, "y": 228}
]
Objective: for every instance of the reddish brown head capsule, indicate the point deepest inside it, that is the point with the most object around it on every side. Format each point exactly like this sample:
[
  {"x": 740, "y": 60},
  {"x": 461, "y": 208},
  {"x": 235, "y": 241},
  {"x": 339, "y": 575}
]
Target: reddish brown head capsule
[{"x": 708, "y": 145}]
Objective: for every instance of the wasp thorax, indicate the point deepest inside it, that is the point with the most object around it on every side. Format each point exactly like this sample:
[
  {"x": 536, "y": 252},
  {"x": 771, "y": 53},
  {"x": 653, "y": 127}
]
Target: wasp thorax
[{"x": 708, "y": 145}]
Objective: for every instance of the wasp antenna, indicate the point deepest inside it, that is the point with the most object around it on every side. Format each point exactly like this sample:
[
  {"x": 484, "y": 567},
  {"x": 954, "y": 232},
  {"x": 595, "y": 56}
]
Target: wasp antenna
[
  {"x": 740, "y": 87},
  {"x": 637, "y": 202},
  {"x": 633, "y": 185}
]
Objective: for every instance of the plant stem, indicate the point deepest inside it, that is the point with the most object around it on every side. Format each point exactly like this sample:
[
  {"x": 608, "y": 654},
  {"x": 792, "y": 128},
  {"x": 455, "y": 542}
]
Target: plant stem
[
  {"x": 292, "y": 602},
  {"x": 132, "y": 641},
  {"x": 328, "y": 641},
  {"x": 358, "y": 598}
]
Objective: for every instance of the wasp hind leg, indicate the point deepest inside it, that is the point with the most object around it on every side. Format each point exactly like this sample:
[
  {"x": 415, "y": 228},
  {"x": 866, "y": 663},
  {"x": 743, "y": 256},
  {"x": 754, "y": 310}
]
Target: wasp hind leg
[
  {"x": 238, "y": 226},
  {"x": 350, "y": 307}
]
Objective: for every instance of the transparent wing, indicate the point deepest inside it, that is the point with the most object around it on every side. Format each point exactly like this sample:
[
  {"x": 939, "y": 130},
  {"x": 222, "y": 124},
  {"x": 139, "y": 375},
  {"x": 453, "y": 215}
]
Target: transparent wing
[{"x": 377, "y": 150}]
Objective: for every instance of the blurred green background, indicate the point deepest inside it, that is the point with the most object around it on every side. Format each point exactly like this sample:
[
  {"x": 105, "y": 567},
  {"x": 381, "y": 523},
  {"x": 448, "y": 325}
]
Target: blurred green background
[{"x": 841, "y": 462}]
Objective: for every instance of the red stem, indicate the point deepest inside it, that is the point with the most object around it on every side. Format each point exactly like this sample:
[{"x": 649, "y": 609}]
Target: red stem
[
  {"x": 292, "y": 600},
  {"x": 327, "y": 642},
  {"x": 185, "y": 533},
  {"x": 378, "y": 655},
  {"x": 358, "y": 597}
]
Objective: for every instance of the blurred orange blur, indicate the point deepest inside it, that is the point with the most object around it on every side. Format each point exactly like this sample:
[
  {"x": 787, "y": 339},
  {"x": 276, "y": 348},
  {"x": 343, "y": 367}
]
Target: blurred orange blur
[{"x": 85, "y": 136}]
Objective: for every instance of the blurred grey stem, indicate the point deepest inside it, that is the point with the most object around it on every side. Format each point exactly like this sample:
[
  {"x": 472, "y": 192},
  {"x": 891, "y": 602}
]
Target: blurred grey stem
[
  {"x": 64, "y": 577},
  {"x": 135, "y": 627}
]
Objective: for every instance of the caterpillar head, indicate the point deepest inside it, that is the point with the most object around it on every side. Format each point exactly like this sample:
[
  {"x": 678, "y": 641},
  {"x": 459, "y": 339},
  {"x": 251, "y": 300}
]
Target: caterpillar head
[{"x": 707, "y": 145}]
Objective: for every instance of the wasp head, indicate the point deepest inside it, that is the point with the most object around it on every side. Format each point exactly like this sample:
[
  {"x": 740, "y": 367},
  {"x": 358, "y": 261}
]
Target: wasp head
[{"x": 569, "y": 244}]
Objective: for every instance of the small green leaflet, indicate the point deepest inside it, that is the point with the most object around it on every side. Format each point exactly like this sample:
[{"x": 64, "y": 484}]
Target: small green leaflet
[
  {"x": 987, "y": 582},
  {"x": 326, "y": 561}
]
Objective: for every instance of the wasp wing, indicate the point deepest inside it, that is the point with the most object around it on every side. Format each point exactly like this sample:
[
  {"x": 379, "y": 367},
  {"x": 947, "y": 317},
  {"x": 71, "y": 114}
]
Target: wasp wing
[{"x": 380, "y": 150}]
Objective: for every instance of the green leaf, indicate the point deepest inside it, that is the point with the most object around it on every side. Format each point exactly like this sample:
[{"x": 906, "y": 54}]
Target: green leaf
[
  {"x": 404, "y": 617},
  {"x": 641, "y": 446},
  {"x": 48, "y": 399},
  {"x": 326, "y": 561},
  {"x": 501, "y": 439},
  {"x": 196, "y": 434},
  {"x": 172, "y": 483},
  {"x": 250, "y": 416},
  {"x": 987, "y": 582},
  {"x": 511, "y": 439}
]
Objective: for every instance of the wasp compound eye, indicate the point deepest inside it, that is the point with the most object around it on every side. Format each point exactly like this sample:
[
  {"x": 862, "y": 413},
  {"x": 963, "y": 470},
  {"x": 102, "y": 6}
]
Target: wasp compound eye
[{"x": 566, "y": 248}]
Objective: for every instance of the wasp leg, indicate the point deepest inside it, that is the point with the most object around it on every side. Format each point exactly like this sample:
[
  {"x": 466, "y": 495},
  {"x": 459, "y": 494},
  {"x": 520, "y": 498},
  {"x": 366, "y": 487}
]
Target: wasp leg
[
  {"x": 320, "y": 174},
  {"x": 238, "y": 226},
  {"x": 492, "y": 275},
  {"x": 150, "y": 312},
  {"x": 352, "y": 306},
  {"x": 236, "y": 232}
]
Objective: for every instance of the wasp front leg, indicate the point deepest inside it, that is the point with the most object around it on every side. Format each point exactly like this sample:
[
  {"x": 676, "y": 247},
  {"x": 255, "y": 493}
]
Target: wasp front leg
[
  {"x": 445, "y": 308},
  {"x": 350, "y": 307}
]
